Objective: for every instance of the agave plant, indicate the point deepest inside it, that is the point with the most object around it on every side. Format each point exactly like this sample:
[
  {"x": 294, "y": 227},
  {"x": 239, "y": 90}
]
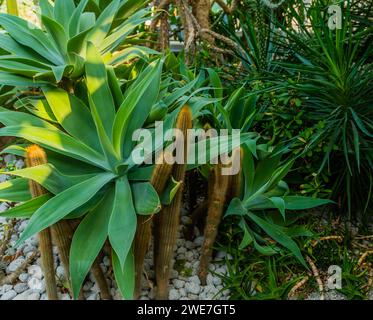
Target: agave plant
[
  {"x": 35, "y": 55},
  {"x": 93, "y": 143},
  {"x": 262, "y": 192}
]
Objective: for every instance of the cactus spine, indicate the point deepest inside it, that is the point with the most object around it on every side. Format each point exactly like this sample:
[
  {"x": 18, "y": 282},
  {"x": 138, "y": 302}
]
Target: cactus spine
[
  {"x": 159, "y": 178},
  {"x": 168, "y": 220},
  {"x": 36, "y": 156}
]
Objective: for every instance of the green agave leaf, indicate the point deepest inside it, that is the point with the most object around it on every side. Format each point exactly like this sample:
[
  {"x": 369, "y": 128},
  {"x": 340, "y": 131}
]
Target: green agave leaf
[
  {"x": 62, "y": 204},
  {"x": 15, "y": 150},
  {"x": 88, "y": 240},
  {"x": 114, "y": 85},
  {"x": 136, "y": 107},
  {"x": 98, "y": 88},
  {"x": 278, "y": 235},
  {"x": 73, "y": 116},
  {"x": 141, "y": 173},
  {"x": 11, "y": 66},
  {"x": 77, "y": 43},
  {"x": 46, "y": 8},
  {"x": 31, "y": 36},
  {"x": 125, "y": 277},
  {"x": 247, "y": 238},
  {"x": 46, "y": 175},
  {"x": 13, "y": 80},
  {"x": 235, "y": 208},
  {"x": 74, "y": 22},
  {"x": 57, "y": 34},
  {"x": 117, "y": 36},
  {"x": 127, "y": 54},
  {"x": 38, "y": 107},
  {"x": 17, "y": 118},
  {"x": 15, "y": 190},
  {"x": 9, "y": 44},
  {"x": 279, "y": 203},
  {"x": 56, "y": 141},
  {"x": 63, "y": 11},
  {"x": 303, "y": 203},
  {"x": 27, "y": 209},
  {"x": 103, "y": 24},
  {"x": 145, "y": 198},
  {"x": 123, "y": 220}
]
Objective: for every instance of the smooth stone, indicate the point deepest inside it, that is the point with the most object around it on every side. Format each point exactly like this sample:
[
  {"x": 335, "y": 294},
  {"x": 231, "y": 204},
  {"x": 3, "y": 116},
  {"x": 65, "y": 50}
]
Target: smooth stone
[
  {"x": 5, "y": 288},
  {"x": 20, "y": 287},
  {"x": 35, "y": 271},
  {"x": 194, "y": 279},
  {"x": 178, "y": 283},
  {"x": 192, "y": 287},
  {"x": 198, "y": 241},
  {"x": 217, "y": 281},
  {"x": 36, "y": 284},
  {"x": 14, "y": 265},
  {"x": 174, "y": 294},
  {"x": 182, "y": 292},
  {"x": 106, "y": 261},
  {"x": 23, "y": 277},
  {"x": 8, "y": 295},
  {"x": 93, "y": 296},
  {"x": 60, "y": 272}
]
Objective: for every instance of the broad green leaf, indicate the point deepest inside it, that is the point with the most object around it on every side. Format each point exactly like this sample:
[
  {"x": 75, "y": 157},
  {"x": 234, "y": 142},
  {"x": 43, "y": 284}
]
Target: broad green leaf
[
  {"x": 56, "y": 141},
  {"x": 13, "y": 118},
  {"x": 279, "y": 203},
  {"x": 62, "y": 204},
  {"x": 38, "y": 107},
  {"x": 130, "y": 53},
  {"x": 73, "y": 116},
  {"x": 31, "y": 36},
  {"x": 145, "y": 198},
  {"x": 63, "y": 11},
  {"x": 26, "y": 209},
  {"x": 123, "y": 220},
  {"x": 15, "y": 190},
  {"x": 103, "y": 24},
  {"x": 88, "y": 240},
  {"x": 74, "y": 22},
  {"x": 235, "y": 208},
  {"x": 114, "y": 85},
  {"x": 277, "y": 234},
  {"x": 247, "y": 238},
  {"x": 9, "y": 44},
  {"x": 98, "y": 88},
  {"x": 125, "y": 277},
  {"x": 15, "y": 150},
  {"x": 57, "y": 33},
  {"x": 140, "y": 98},
  {"x": 303, "y": 203},
  {"x": 19, "y": 81},
  {"x": 45, "y": 175}
]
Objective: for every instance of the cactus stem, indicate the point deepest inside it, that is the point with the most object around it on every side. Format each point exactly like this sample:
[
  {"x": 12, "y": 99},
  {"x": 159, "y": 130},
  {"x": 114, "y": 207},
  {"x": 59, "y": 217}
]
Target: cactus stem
[
  {"x": 168, "y": 220},
  {"x": 36, "y": 156}
]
